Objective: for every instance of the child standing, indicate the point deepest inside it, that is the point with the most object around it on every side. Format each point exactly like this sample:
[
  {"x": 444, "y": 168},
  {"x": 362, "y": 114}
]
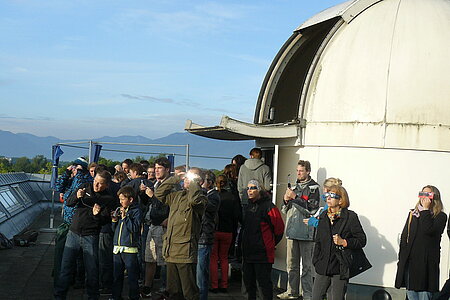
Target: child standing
[{"x": 126, "y": 227}]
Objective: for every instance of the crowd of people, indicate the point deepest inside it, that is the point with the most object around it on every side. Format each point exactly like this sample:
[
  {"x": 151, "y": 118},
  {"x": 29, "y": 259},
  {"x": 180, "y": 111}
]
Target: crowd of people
[{"x": 147, "y": 222}]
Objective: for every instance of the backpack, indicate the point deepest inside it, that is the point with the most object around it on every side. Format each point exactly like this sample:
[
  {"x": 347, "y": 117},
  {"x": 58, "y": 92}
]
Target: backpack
[
  {"x": 5, "y": 243},
  {"x": 24, "y": 239}
]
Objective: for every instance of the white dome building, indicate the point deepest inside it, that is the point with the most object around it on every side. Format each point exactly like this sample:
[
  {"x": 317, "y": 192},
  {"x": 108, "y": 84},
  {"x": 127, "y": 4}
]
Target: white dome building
[{"x": 362, "y": 91}]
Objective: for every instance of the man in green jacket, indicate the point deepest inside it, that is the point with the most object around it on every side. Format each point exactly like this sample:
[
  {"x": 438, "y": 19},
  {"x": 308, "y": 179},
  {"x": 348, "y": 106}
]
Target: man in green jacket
[{"x": 183, "y": 230}]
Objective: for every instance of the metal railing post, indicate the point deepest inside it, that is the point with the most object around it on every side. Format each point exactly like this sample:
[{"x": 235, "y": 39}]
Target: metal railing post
[{"x": 187, "y": 157}]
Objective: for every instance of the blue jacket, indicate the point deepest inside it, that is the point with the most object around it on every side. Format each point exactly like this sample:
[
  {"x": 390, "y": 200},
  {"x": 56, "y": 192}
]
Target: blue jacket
[
  {"x": 68, "y": 185},
  {"x": 127, "y": 230}
]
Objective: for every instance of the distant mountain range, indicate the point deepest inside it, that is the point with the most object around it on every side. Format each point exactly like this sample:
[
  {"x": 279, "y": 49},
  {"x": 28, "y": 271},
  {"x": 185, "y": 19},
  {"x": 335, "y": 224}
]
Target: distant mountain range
[{"x": 25, "y": 144}]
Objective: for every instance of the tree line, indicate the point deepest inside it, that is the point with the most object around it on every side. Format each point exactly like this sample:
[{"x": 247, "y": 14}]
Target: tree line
[{"x": 42, "y": 165}]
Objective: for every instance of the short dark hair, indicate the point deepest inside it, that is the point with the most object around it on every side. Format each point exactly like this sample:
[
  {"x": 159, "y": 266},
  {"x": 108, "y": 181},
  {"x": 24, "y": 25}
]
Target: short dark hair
[
  {"x": 221, "y": 182},
  {"x": 210, "y": 177},
  {"x": 127, "y": 161},
  {"x": 163, "y": 161},
  {"x": 144, "y": 164},
  {"x": 239, "y": 159},
  {"x": 256, "y": 153},
  {"x": 120, "y": 176},
  {"x": 138, "y": 168},
  {"x": 105, "y": 175},
  {"x": 127, "y": 191},
  {"x": 306, "y": 164}
]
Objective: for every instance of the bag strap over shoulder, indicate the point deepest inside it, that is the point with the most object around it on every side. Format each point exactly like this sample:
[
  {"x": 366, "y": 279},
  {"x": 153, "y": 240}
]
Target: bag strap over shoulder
[{"x": 409, "y": 225}]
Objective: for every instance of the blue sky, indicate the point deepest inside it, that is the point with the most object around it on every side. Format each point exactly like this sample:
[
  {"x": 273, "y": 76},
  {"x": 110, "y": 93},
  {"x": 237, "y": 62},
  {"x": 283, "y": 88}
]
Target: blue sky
[{"x": 86, "y": 69}]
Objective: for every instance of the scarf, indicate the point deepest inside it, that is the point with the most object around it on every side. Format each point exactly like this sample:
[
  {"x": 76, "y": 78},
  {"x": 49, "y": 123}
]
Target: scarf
[
  {"x": 416, "y": 212},
  {"x": 333, "y": 216}
]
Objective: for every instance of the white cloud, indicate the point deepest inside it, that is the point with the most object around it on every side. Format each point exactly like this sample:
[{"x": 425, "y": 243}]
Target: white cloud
[
  {"x": 189, "y": 20},
  {"x": 19, "y": 70}
]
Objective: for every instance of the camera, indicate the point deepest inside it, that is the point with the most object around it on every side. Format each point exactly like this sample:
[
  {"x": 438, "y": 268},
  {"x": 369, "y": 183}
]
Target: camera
[{"x": 116, "y": 213}]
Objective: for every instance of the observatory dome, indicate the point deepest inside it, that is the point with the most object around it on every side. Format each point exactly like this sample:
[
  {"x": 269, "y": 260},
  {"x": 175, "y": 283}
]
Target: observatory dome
[{"x": 365, "y": 73}]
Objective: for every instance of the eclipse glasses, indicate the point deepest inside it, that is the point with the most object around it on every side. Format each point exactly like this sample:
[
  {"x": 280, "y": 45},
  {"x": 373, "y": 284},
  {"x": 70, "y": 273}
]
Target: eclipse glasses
[
  {"x": 332, "y": 195},
  {"x": 429, "y": 195}
]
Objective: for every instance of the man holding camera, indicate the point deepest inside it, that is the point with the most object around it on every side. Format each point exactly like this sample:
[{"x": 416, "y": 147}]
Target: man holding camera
[
  {"x": 67, "y": 184},
  {"x": 183, "y": 230},
  {"x": 94, "y": 205}
]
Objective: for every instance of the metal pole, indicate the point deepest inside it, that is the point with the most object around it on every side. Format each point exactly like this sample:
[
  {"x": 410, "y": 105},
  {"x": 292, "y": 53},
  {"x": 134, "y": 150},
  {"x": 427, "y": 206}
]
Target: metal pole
[
  {"x": 52, "y": 212},
  {"x": 187, "y": 157},
  {"x": 90, "y": 151}
]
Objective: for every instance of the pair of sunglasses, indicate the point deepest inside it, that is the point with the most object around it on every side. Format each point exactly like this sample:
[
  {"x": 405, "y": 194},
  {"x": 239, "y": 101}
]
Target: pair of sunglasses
[
  {"x": 426, "y": 194},
  {"x": 332, "y": 195},
  {"x": 253, "y": 187}
]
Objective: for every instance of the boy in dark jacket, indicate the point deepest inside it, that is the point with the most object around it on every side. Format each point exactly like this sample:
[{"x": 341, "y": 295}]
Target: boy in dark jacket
[{"x": 126, "y": 226}]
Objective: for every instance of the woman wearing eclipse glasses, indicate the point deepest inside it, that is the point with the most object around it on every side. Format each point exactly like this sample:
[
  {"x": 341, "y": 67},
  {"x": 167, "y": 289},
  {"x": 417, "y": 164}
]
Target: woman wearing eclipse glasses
[
  {"x": 418, "y": 265},
  {"x": 339, "y": 236}
]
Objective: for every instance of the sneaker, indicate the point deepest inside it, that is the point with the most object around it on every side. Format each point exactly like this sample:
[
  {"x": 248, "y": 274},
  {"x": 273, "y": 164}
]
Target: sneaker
[
  {"x": 105, "y": 291},
  {"x": 286, "y": 295},
  {"x": 146, "y": 292},
  {"x": 223, "y": 290}
]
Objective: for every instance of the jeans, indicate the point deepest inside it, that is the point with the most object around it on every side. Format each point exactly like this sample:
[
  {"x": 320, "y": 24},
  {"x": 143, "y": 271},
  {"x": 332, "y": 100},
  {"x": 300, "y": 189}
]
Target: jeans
[
  {"x": 105, "y": 259},
  {"x": 323, "y": 282},
  {"x": 297, "y": 251},
  {"x": 89, "y": 245},
  {"x": 204, "y": 254},
  {"x": 127, "y": 261},
  {"x": 412, "y": 295}
]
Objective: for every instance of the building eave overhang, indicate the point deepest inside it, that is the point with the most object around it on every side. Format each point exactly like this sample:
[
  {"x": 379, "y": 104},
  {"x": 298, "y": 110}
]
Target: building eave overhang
[{"x": 231, "y": 129}]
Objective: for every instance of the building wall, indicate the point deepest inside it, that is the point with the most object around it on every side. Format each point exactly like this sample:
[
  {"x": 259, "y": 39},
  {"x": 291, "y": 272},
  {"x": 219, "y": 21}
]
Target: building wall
[{"x": 382, "y": 185}]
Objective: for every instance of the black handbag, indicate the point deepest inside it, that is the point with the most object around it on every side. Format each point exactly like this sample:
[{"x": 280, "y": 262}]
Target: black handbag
[{"x": 356, "y": 261}]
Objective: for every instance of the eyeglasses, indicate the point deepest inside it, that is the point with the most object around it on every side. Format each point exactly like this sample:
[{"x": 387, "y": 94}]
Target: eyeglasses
[
  {"x": 426, "y": 194},
  {"x": 253, "y": 187},
  {"x": 332, "y": 195}
]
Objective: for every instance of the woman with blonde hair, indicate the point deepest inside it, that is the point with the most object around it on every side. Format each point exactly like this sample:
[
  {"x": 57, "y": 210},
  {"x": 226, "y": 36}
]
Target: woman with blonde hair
[
  {"x": 339, "y": 233},
  {"x": 328, "y": 183},
  {"x": 419, "y": 256}
]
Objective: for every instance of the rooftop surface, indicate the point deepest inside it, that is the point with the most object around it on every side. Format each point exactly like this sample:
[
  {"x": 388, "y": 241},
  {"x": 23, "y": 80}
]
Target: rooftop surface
[{"x": 26, "y": 272}]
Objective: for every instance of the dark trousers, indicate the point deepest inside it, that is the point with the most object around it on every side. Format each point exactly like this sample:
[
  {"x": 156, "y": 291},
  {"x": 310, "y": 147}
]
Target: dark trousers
[
  {"x": 105, "y": 259},
  {"x": 258, "y": 273},
  {"x": 141, "y": 248},
  {"x": 181, "y": 281},
  {"x": 127, "y": 261},
  {"x": 338, "y": 287},
  {"x": 60, "y": 241},
  {"x": 89, "y": 245}
]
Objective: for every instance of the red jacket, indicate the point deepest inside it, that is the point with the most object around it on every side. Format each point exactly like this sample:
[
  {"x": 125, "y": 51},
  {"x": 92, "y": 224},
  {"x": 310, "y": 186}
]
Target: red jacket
[{"x": 263, "y": 228}]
